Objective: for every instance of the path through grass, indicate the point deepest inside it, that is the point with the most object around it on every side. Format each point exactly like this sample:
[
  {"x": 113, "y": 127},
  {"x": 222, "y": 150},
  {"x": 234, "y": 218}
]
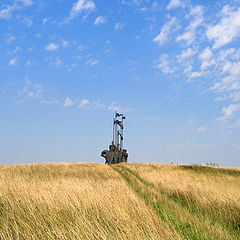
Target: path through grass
[{"x": 190, "y": 221}]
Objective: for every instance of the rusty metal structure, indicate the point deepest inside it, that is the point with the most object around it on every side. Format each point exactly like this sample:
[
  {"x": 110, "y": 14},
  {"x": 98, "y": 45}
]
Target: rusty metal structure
[{"x": 116, "y": 153}]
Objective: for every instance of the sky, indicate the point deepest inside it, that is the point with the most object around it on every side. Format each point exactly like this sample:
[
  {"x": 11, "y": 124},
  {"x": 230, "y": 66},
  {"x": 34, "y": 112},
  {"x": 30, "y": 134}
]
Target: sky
[{"x": 171, "y": 66}]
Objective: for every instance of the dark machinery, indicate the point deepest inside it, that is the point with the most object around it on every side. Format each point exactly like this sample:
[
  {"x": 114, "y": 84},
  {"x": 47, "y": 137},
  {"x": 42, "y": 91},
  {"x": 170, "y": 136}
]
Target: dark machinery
[{"x": 116, "y": 153}]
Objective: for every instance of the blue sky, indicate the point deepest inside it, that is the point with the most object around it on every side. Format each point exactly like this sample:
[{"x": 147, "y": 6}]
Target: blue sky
[{"x": 172, "y": 67}]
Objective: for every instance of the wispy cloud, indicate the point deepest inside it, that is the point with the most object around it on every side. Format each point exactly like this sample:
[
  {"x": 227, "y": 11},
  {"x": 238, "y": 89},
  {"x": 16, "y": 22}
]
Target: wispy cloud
[
  {"x": 52, "y": 47},
  {"x": 227, "y": 29},
  {"x": 80, "y": 6},
  {"x": 58, "y": 62},
  {"x": 26, "y": 3},
  {"x": 185, "y": 55},
  {"x": 206, "y": 54},
  {"x": 115, "y": 107},
  {"x": 201, "y": 129},
  {"x": 195, "y": 74},
  {"x": 35, "y": 92},
  {"x": 166, "y": 30},
  {"x": 45, "y": 20},
  {"x": 10, "y": 39},
  {"x": 230, "y": 110},
  {"x": 175, "y": 4},
  {"x": 92, "y": 62},
  {"x": 98, "y": 104},
  {"x": 119, "y": 26},
  {"x": 163, "y": 63},
  {"x": 68, "y": 102},
  {"x": 7, "y": 11},
  {"x": 83, "y": 103},
  {"x": 53, "y": 101},
  {"x": 30, "y": 90},
  {"x": 99, "y": 20},
  {"x": 13, "y": 62},
  {"x": 27, "y": 20},
  {"x": 189, "y": 36}
]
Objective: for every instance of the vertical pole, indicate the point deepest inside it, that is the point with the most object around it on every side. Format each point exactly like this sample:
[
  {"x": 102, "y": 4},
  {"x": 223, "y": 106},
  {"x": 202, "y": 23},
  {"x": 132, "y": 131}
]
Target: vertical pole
[
  {"x": 122, "y": 133},
  {"x": 113, "y": 130},
  {"x": 118, "y": 138},
  {"x": 116, "y": 133}
]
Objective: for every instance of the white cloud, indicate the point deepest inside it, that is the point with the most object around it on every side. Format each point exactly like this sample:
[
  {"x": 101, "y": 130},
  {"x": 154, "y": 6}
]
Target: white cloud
[
  {"x": 92, "y": 62},
  {"x": 54, "y": 101},
  {"x": 99, "y": 20},
  {"x": 68, "y": 102},
  {"x": 31, "y": 90},
  {"x": 166, "y": 30},
  {"x": 6, "y": 12},
  {"x": 227, "y": 29},
  {"x": 27, "y": 81},
  {"x": 186, "y": 53},
  {"x": 58, "y": 62},
  {"x": 155, "y": 5},
  {"x": 65, "y": 43},
  {"x": 202, "y": 129},
  {"x": 195, "y": 74},
  {"x": 175, "y": 4},
  {"x": 207, "y": 58},
  {"x": 26, "y": 3},
  {"x": 83, "y": 103},
  {"x": 13, "y": 62},
  {"x": 28, "y": 21},
  {"x": 114, "y": 107},
  {"x": 224, "y": 84},
  {"x": 118, "y": 26},
  {"x": 227, "y": 73},
  {"x": 28, "y": 63},
  {"x": 201, "y": 58},
  {"x": 207, "y": 63},
  {"x": 35, "y": 92},
  {"x": 81, "y": 5},
  {"x": 235, "y": 96},
  {"x": 10, "y": 39},
  {"x": 143, "y": 9},
  {"x": 45, "y": 20},
  {"x": 223, "y": 54},
  {"x": 187, "y": 68},
  {"x": 233, "y": 68},
  {"x": 99, "y": 104},
  {"x": 164, "y": 64},
  {"x": 206, "y": 54},
  {"x": 51, "y": 47},
  {"x": 230, "y": 110},
  {"x": 190, "y": 34}
]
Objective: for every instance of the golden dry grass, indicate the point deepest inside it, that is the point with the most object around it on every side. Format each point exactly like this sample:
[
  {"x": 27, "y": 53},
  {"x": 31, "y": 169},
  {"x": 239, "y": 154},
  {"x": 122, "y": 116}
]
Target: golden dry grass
[
  {"x": 124, "y": 201},
  {"x": 74, "y": 201},
  {"x": 208, "y": 196}
]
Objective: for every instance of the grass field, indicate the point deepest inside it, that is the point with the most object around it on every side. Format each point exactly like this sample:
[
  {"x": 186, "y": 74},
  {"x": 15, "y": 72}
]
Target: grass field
[{"x": 125, "y": 201}]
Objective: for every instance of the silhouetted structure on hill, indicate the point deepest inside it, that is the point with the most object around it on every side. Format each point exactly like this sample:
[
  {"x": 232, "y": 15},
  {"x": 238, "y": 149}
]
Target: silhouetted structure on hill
[{"x": 116, "y": 153}]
